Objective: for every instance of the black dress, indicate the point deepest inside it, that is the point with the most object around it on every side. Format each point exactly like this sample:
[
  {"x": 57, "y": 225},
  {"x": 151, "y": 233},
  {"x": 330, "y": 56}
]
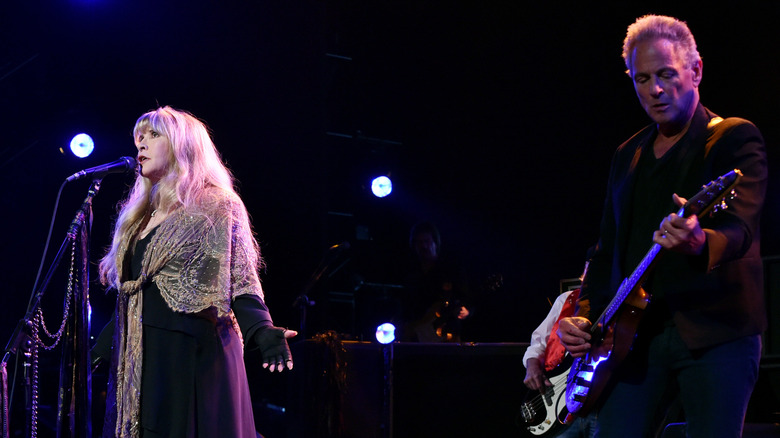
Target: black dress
[{"x": 193, "y": 381}]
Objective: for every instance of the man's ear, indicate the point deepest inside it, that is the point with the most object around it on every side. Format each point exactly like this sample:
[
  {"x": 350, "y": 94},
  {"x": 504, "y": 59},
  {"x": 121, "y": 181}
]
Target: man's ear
[{"x": 697, "y": 70}]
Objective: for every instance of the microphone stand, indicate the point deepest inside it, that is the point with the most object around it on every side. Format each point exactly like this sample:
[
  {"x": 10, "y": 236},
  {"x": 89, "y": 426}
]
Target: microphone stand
[
  {"x": 74, "y": 402},
  {"x": 75, "y": 394},
  {"x": 302, "y": 302}
]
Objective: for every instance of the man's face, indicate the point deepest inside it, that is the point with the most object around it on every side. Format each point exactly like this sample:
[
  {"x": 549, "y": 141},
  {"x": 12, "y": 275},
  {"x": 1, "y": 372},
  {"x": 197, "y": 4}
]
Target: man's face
[
  {"x": 424, "y": 246},
  {"x": 666, "y": 86}
]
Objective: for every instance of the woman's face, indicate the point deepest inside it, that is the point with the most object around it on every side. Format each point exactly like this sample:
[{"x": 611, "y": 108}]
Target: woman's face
[{"x": 153, "y": 153}]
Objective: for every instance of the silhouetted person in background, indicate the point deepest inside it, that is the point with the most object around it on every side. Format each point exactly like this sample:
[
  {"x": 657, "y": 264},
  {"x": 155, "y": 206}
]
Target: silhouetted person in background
[{"x": 436, "y": 289}]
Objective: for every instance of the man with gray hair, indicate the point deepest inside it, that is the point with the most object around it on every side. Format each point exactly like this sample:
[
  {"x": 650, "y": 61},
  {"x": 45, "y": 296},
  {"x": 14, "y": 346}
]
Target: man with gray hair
[{"x": 699, "y": 336}]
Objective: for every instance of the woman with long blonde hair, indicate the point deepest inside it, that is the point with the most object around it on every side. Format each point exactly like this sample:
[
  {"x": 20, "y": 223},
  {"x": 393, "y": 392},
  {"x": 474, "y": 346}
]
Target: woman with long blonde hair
[{"x": 184, "y": 262}]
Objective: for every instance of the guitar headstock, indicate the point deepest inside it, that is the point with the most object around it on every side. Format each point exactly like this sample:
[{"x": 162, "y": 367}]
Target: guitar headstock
[
  {"x": 722, "y": 205},
  {"x": 713, "y": 195}
]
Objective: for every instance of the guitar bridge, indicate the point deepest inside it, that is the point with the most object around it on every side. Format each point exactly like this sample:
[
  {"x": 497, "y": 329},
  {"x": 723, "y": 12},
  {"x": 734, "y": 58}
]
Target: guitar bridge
[{"x": 528, "y": 412}]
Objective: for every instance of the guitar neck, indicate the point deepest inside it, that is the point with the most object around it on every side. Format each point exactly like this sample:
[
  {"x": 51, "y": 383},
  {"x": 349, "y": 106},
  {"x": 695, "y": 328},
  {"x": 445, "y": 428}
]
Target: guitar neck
[
  {"x": 629, "y": 284},
  {"x": 632, "y": 282}
]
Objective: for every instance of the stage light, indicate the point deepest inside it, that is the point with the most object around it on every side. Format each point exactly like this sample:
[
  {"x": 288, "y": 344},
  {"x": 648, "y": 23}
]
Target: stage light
[
  {"x": 82, "y": 145},
  {"x": 385, "y": 333},
  {"x": 381, "y": 186}
]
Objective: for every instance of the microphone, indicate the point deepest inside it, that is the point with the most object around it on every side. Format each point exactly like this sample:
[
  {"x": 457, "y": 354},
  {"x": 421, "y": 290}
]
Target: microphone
[
  {"x": 121, "y": 165},
  {"x": 331, "y": 256}
]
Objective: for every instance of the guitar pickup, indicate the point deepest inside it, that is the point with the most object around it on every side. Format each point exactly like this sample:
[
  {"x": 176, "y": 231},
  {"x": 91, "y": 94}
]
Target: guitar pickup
[{"x": 579, "y": 381}]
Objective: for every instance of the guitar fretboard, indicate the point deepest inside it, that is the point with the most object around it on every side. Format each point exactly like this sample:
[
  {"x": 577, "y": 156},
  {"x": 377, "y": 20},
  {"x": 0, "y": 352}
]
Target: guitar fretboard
[{"x": 630, "y": 283}]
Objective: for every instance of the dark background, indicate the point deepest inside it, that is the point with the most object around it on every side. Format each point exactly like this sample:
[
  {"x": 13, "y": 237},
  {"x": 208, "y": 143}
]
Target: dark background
[{"x": 497, "y": 121}]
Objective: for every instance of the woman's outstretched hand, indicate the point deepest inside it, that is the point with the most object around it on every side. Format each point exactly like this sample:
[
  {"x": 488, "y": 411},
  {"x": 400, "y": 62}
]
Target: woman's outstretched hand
[{"x": 272, "y": 342}]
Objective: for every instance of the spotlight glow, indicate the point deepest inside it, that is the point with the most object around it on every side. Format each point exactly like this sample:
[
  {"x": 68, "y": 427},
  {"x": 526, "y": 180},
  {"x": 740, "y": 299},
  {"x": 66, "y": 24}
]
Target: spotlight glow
[
  {"x": 381, "y": 186},
  {"x": 82, "y": 145},
  {"x": 385, "y": 333}
]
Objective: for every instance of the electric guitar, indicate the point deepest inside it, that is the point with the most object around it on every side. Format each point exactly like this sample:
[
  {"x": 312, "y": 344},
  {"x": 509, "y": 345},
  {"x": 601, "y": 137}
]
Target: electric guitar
[
  {"x": 440, "y": 323},
  {"x": 612, "y": 335},
  {"x": 543, "y": 413}
]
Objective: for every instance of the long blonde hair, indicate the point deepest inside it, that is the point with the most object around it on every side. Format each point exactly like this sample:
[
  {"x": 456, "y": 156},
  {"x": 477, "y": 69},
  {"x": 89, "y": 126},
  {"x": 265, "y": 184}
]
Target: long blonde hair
[{"x": 194, "y": 165}]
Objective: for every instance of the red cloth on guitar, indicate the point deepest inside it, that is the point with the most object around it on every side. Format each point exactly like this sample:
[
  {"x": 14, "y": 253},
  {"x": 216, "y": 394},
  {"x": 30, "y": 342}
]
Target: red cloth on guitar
[{"x": 555, "y": 352}]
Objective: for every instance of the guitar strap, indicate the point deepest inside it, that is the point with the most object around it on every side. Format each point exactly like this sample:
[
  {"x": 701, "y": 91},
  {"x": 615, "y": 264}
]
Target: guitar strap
[{"x": 555, "y": 352}]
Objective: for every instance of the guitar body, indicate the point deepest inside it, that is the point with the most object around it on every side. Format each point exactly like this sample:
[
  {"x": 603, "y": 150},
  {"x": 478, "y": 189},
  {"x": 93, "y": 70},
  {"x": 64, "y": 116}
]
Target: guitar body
[
  {"x": 439, "y": 324},
  {"x": 590, "y": 375},
  {"x": 543, "y": 413}
]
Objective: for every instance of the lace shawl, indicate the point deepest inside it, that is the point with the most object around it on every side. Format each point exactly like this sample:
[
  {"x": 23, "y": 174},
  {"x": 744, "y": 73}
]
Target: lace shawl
[{"x": 199, "y": 258}]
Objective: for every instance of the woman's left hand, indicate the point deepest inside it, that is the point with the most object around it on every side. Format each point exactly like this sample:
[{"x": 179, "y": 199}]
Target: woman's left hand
[{"x": 274, "y": 349}]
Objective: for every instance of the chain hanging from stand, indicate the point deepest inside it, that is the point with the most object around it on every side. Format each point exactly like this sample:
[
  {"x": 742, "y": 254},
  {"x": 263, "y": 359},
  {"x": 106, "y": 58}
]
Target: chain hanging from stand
[
  {"x": 4, "y": 388},
  {"x": 38, "y": 322}
]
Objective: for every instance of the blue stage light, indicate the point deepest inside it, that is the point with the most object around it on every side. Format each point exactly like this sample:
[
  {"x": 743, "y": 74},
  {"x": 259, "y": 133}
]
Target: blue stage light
[
  {"x": 385, "y": 333},
  {"x": 82, "y": 145},
  {"x": 381, "y": 186}
]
